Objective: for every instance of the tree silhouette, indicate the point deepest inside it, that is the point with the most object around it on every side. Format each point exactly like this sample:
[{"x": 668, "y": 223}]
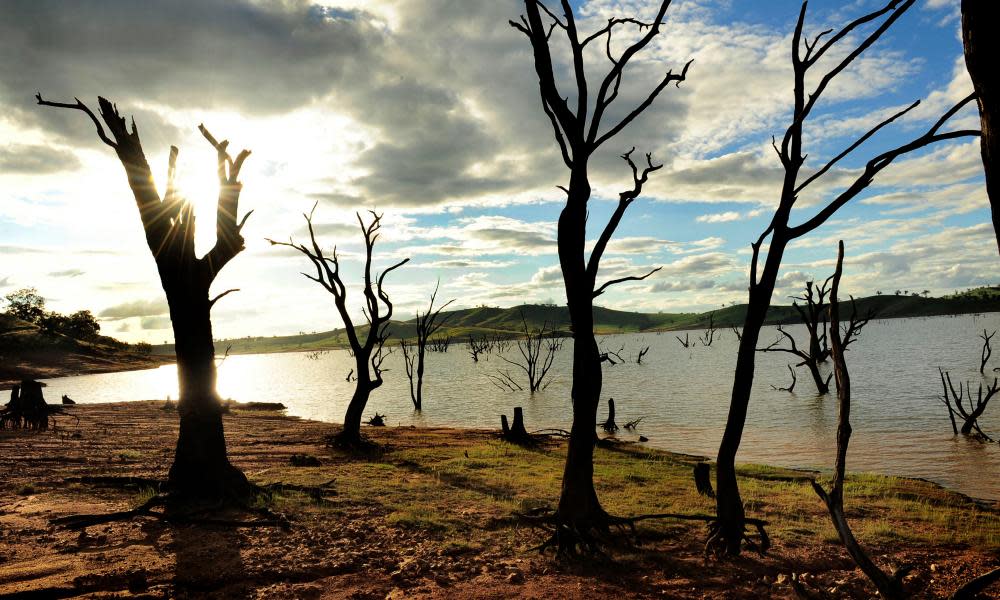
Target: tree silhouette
[
  {"x": 579, "y": 514},
  {"x": 806, "y": 54},
  {"x": 368, "y": 355},
  {"x": 889, "y": 586},
  {"x": 200, "y": 464},
  {"x": 979, "y": 21},
  {"x": 814, "y": 317},
  {"x": 413, "y": 354}
]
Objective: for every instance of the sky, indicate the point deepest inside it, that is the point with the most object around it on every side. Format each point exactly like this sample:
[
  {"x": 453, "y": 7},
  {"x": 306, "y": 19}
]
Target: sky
[{"x": 428, "y": 112}]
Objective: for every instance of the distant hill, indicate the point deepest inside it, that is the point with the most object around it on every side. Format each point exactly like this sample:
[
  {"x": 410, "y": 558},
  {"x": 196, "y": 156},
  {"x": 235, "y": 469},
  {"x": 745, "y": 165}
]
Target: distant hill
[
  {"x": 27, "y": 352},
  {"x": 507, "y": 322}
]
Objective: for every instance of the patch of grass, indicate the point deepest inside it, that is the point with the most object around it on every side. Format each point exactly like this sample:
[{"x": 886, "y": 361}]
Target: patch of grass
[
  {"x": 26, "y": 490},
  {"x": 426, "y": 519},
  {"x": 144, "y": 495},
  {"x": 129, "y": 455}
]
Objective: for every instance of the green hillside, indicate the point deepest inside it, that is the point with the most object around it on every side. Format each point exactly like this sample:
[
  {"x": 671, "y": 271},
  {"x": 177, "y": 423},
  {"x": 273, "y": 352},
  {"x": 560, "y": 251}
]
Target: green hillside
[{"x": 507, "y": 322}]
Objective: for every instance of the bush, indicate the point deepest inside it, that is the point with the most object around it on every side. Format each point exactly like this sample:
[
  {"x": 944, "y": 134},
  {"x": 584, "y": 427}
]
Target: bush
[{"x": 80, "y": 325}]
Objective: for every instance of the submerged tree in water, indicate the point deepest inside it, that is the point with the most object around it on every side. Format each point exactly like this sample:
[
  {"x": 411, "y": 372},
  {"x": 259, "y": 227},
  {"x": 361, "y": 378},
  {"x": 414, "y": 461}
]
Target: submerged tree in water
[
  {"x": 413, "y": 354},
  {"x": 201, "y": 466}
]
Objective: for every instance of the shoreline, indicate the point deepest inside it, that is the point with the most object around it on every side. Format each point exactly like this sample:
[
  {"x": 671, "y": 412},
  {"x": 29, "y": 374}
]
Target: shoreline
[
  {"x": 76, "y": 365},
  {"x": 432, "y": 515}
]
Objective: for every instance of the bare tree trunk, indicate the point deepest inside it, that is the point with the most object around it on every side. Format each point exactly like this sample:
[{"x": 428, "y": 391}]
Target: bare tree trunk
[
  {"x": 200, "y": 460},
  {"x": 578, "y": 503},
  {"x": 729, "y": 504},
  {"x": 351, "y": 433},
  {"x": 821, "y": 384},
  {"x": 888, "y": 586},
  {"x": 979, "y": 22}
]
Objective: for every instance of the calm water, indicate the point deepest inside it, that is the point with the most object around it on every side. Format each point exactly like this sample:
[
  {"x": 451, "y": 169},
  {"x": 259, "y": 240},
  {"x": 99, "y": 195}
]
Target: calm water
[{"x": 900, "y": 427}]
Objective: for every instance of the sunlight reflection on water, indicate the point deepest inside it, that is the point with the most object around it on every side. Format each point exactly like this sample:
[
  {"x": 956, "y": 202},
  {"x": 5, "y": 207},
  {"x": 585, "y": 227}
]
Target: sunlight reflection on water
[{"x": 682, "y": 394}]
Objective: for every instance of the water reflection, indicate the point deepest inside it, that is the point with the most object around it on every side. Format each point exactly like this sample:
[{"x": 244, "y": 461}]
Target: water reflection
[{"x": 683, "y": 395}]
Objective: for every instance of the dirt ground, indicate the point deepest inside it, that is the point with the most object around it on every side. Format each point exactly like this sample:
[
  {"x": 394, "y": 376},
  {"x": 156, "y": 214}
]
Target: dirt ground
[{"x": 402, "y": 524}]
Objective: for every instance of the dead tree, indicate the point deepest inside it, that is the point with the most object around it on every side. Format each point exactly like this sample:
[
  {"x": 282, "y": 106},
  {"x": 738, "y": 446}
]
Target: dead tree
[
  {"x": 579, "y": 515},
  {"x": 889, "y": 586},
  {"x": 808, "y": 359},
  {"x": 979, "y": 22},
  {"x": 201, "y": 466},
  {"x": 535, "y": 360},
  {"x": 987, "y": 351},
  {"x": 814, "y": 317},
  {"x": 413, "y": 358},
  {"x": 369, "y": 354},
  {"x": 686, "y": 342},
  {"x": 737, "y": 332},
  {"x": 477, "y": 347},
  {"x": 642, "y": 353},
  {"x": 439, "y": 344},
  {"x": 954, "y": 400},
  {"x": 790, "y": 388},
  {"x": 609, "y": 426},
  {"x": 806, "y": 54},
  {"x": 609, "y": 356},
  {"x": 709, "y": 336},
  {"x": 505, "y": 381}
]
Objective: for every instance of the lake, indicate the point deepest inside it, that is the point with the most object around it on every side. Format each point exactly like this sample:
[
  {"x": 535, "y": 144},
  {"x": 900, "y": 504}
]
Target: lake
[{"x": 682, "y": 394}]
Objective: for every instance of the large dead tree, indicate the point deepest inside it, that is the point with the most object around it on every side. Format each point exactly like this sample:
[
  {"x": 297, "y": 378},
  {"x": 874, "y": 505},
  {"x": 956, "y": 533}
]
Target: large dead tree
[
  {"x": 889, "y": 586},
  {"x": 806, "y": 54},
  {"x": 368, "y": 354},
  {"x": 979, "y": 22},
  {"x": 579, "y": 514},
  {"x": 814, "y": 317},
  {"x": 200, "y": 465},
  {"x": 413, "y": 354}
]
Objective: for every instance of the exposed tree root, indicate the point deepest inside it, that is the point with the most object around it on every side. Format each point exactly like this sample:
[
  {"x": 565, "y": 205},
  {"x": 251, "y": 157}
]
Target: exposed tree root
[
  {"x": 179, "y": 508},
  {"x": 353, "y": 442},
  {"x": 978, "y": 585},
  {"x": 572, "y": 540},
  {"x": 716, "y": 545}
]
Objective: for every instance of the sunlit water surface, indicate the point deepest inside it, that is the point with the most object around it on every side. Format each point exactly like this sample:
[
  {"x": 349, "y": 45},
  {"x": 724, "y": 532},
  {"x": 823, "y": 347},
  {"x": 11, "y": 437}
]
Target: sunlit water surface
[{"x": 900, "y": 426}]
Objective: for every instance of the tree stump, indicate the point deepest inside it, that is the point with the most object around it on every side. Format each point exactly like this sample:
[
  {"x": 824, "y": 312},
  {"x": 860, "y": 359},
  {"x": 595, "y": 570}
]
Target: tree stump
[
  {"x": 703, "y": 480},
  {"x": 515, "y": 432},
  {"x": 610, "y": 426},
  {"x": 27, "y": 408}
]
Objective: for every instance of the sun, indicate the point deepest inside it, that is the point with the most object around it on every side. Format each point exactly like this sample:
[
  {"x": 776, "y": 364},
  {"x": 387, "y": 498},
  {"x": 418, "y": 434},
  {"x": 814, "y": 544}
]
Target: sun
[{"x": 198, "y": 183}]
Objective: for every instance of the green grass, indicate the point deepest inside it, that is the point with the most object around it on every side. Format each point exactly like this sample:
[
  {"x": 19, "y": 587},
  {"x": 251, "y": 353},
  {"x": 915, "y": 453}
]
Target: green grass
[{"x": 454, "y": 488}]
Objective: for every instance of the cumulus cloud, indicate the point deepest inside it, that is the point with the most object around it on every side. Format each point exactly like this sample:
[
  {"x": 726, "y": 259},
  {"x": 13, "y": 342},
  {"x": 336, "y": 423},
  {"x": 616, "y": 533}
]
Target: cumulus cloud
[
  {"x": 136, "y": 308},
  {"x": 35, "y": 159}
]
